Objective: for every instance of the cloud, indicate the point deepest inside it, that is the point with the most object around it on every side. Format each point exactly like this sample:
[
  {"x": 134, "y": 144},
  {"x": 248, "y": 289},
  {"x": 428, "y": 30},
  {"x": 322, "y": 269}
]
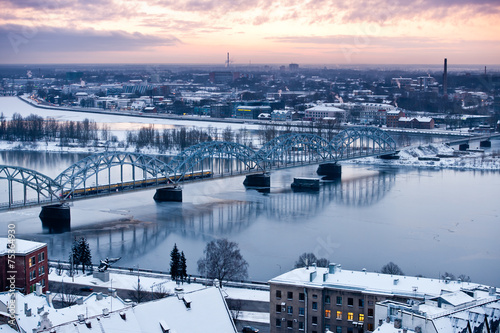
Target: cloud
[{"x": 17, "y": 39}]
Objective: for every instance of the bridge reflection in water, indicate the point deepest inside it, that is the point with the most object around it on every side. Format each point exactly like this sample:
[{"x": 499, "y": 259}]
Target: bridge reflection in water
[{"x": 131, "y": 238}]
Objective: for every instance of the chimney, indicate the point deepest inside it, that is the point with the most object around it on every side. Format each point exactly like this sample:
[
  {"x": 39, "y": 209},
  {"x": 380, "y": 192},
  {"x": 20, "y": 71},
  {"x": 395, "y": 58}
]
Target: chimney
[
  {"x": 99, "y": 296},
  {"x": 105, "y": 312},
  {"x": 492, "y": 291},
  {"x": 39, "y": 310},
  {"x": 364, "y": 270},
  {"x": 395, "y": 282},
  {"x": 445, "y": 78},
  {"x": 123, "y": 315},
  {"x": 79, "y": 300},
  {"x": 38, "y": 289},
  {"x": 332, "y": 268}
]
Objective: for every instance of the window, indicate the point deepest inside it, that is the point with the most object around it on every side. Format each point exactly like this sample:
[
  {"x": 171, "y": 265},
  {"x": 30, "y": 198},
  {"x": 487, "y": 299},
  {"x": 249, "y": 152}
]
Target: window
[
  {"x": 370, "y": 302},
  {"x": 301, "y": 311},
  {"x": 350, "y": 301},
  {"x": 370, "y": 312},
  {"x": 370, "y": 327},
  {"x": 349, "y": 330},
  {"x": 290, "y": 310},
  {"x": 327, "y": 299},
  {"x": 328, "y": 313},
  {"x": 278, "y": 308},
  {"x": 278, "y": 322},
  {"x": 315, "y": 306},
  {"x": 33, "y": 275},
  {"x": 41, "y": 257},
  {"x": 43, "y": 283},
  {"x": 361, "y": 303},
  {"x": 350, "y": 316},
  {"x": 339, "y": 315},
  {"x": 339, "y": 329},
  {"x": 289, "y": 324},
  {"x": 361, "y": 317},
  {"x": 339, "y": 300},
  {"x": 289, "y": 295},
  {"x": 315, "y": 320},
  {"x": 41, "y": 270},
  {"x": 32, "y": 262},
  {"x": 315, "y": 296},
  {"x": 278, "y": 294},
  {"x": 327, "y": 327},
  {"x": 302, "y": 297},
  {"x": 301, "y": 325}
]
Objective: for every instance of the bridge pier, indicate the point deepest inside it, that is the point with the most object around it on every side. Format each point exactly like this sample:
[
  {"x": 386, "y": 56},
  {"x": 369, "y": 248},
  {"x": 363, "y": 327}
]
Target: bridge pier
[
  {"x": 463, "y": 147},
  {"x": 170, "y": 193},
  {"x": 485, "y": 144},
  {"x": 56, "y": 218},
  {"x": 258, "y": 180},
  {"x": 330, "y": 170}
]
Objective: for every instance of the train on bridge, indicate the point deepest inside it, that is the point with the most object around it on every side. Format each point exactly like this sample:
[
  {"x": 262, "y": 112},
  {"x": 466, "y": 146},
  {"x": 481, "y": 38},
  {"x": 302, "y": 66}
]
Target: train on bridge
[{"x": 138, "y": 183}]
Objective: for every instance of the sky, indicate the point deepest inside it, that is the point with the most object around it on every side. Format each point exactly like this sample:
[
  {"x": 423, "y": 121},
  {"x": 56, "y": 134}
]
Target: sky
[{"x": 340, "y": 32}]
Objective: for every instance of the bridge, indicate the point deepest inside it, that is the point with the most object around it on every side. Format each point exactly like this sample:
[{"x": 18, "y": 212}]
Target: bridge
[{"x": 111, "y": 172}]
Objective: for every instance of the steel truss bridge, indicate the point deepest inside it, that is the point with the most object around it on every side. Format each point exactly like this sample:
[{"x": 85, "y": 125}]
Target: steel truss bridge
[{"x": 111, "y": 172}]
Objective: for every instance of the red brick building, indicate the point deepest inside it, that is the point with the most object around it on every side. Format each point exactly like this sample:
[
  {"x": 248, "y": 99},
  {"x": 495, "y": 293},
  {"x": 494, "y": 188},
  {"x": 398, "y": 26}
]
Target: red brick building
[
  {"x": 27, "y": 261},
  {"x": 392, "y": 118}
]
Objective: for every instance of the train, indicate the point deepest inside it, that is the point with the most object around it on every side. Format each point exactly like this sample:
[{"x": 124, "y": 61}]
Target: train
[{"x": 133, "y": 184}]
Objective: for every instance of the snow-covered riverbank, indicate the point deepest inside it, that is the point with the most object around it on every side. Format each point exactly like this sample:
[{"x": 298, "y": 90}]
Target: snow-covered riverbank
[{"x": 449, "y": 158}]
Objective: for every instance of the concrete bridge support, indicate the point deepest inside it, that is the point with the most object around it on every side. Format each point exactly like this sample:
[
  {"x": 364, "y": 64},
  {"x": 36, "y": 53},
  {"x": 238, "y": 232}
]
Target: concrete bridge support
[
  {"x": 258, "y": 180},
  {"x": 330, "y": 170},
  {"x": 56, "y": 218},
  {"x": 463, "y": 147},
  {"x": 485, "y": 144},
  {"x": 170, "y": 193}
]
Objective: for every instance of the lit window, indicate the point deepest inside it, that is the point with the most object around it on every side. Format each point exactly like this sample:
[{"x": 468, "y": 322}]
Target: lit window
[
  {"x": 339, "y": 315},
  {"x": 32, "y": 262},
  {"x": 328, "y": 313},
  {"x": 350, "y": 316},
  {"x": 361, "y": 317}
]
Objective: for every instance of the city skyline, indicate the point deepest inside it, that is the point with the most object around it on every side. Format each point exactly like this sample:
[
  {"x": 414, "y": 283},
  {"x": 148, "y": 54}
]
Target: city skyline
[{"x": 316, "y": 32}]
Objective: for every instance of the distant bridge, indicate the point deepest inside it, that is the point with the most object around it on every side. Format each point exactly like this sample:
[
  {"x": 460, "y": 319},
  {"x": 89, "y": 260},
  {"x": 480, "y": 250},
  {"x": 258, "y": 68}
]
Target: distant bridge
[{"x": 111, "y": 172}]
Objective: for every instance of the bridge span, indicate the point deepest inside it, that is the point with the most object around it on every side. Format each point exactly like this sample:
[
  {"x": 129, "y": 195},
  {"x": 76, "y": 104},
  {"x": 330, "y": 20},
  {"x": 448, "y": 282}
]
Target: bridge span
[{"x": 111, "y": 172}]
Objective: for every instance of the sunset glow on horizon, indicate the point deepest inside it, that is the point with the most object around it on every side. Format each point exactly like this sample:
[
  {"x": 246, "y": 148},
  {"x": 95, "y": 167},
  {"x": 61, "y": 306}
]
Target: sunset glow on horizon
[{"x": 260, "y": 31}]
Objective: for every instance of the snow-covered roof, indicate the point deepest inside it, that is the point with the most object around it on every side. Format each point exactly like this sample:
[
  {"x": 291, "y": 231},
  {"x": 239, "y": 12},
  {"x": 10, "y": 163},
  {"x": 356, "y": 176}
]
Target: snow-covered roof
[
  {"x": 369, "y": 282},
  {"x": 208, "y": 312},
  {"x": 325, "y": 107},
  {"x": 456, "y": 298},
  {"x": 21, "y": 246}
]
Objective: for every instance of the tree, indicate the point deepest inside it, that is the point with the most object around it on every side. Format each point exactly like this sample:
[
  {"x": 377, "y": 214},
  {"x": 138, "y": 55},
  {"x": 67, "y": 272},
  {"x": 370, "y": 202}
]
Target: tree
[
  {"x": 174, "y": 263},
  {"x": 223, "y": 261},
  {"x": 138, "y": 294},
  {"x": 80, "y": 254},
  {"x": 307, "y": 259},
  {"x": 392, "y": 268},
  {"x": 182, "y": 267},
  {"x": 447, "y": 275}
]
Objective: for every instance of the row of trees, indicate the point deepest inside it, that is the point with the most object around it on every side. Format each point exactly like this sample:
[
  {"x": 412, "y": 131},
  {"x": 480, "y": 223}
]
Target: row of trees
[{"x": 34, "y": 128}]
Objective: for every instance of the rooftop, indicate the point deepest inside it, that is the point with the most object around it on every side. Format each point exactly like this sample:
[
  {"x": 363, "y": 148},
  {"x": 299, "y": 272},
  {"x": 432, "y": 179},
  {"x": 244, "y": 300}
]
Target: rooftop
[
  {"x": 335, "y": 277},
  {"x": 21, "y": 246}
]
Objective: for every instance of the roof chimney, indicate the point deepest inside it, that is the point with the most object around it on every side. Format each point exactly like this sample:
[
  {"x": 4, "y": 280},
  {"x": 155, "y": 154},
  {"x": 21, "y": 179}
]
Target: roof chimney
[
  {"x": 331, "y": 268},
  {"x": 445, "y": 77}
]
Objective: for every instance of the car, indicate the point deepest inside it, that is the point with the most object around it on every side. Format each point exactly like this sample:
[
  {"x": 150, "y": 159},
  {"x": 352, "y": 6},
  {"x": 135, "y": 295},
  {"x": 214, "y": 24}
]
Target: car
[
  {"x": 87, "y": 288},
  {"x": 249, "y": 329}
]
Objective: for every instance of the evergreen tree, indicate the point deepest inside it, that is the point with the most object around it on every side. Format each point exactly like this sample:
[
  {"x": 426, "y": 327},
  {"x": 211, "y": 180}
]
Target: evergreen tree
[
  {"x": 182, "y": 267},
  {"x": 85, "y": 254},
  {"x": 174, "y": 263}
]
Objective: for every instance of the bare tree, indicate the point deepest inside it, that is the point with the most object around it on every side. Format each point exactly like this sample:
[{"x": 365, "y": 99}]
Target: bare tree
[
  {"x": 392, "y": 268},
  {"x": 160, "y": 291},
  {"x": 307, "y": 259},
  {"x": 464, "y": 278},
  {"x": 223, "y": 261},
  {"x": 447, "y": 275},
  {"x": 138, "y": 294},
  {"x": 65, "y": 294}
]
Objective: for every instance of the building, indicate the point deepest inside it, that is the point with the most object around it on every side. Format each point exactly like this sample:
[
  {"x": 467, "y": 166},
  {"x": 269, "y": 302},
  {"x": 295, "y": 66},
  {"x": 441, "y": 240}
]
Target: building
[
  {"x": 27, "y": 261},
  {"x": 220, "y": 111},
  {"x": 416, "y": 122},
  {"x": 223, "y": 77},
  {"x": 282, "y": 115},
  {"x": 321, "y": 111},
  {"x": 314, "y": 300},
  {"x": 475, "y": 310},
  {"x": 392, "y": 117},
  {"x": 251, "y": 112},
  {"x": 203, "y": 310}
]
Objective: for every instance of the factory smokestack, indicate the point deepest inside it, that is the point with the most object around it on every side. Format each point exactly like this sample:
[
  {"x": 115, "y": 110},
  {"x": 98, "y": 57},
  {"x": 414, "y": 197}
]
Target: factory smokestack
[{"x": 445, "y": 77}]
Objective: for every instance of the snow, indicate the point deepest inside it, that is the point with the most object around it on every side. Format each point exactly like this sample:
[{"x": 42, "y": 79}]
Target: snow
[
  {"x": 369, "y": 282},
  {"x": 461, "y": 160},
  {"x": 256, "y": 317},
  {"x": 21, "y": 246},
  {"x": 247, "y": 294}
]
